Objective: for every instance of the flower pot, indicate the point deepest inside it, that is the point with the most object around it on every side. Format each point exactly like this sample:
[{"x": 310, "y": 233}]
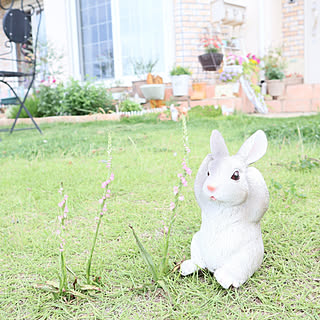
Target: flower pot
[
  {"x": 211, "y": 61},
  {"x": 233, "y": 68},
  {"x": 199, "y": 91},
  {"x": 180, "y": 85},
  {"x": 153, "y": 91},
  {"x": 136, "y": 87},
  {"x": 275, "y": 87}
]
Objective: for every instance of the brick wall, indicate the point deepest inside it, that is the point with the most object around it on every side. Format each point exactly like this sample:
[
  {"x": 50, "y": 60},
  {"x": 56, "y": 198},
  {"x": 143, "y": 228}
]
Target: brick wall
[
  {"x": 190, "y": 19},
  {"x": 293, "y": 35}
]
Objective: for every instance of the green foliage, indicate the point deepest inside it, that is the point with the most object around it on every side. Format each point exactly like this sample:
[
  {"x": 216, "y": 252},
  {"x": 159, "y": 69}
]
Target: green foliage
[
  {"x": 129, "y": 105},
  {"x": 31, "y": 104},
  {"x": 275, "y": 64},
  {"x": 50, "y": 97},
  {"x": 32, "y": 166},
  {"x": 86, "y": 98},
  {"x": 274, "y": 73},
  {"x": 209, "y": 111},
  {"x": 178, "y": 71},
  {"x": 73, "y": 98},
  {"x": 141, "y": 68}
]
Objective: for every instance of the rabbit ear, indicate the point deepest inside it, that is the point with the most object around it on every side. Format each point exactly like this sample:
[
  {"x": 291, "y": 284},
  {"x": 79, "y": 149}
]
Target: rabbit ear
[
  {"x": 218, "y": 146},
  {"x": 254, "y": 147}
]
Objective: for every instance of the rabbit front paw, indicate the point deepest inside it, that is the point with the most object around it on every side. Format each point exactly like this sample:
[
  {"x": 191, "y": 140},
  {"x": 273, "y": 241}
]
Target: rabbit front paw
[
  {"x": 226, "y": 279},
  {"x": 187, "y": 267}
]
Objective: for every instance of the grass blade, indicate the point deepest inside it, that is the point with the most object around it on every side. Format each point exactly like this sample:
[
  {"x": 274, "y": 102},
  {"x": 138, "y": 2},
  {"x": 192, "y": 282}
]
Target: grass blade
[{"x": 146, "y": 257}]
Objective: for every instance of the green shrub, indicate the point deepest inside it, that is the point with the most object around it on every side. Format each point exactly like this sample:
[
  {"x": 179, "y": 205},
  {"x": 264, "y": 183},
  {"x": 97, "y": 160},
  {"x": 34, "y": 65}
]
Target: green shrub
[
  {"x": 129, "y": 105},
  {"x": 86, "y": 98},
  {"x": 31, "y": 104},
  {"x": 50, "y": 97},
  {"x": 205, "y": 111},
  {"x": 178, "y": 71}
]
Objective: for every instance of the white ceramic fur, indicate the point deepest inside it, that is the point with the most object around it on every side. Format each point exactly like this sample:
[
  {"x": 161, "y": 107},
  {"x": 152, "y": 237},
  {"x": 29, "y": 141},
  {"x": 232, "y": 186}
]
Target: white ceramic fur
[{"x": 229, "y": 242}]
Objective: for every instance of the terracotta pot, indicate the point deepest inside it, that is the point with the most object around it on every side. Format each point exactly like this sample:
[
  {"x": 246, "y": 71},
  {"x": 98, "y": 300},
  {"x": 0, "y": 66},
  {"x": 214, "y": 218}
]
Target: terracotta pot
[
  {"x": 199, "y": 91},
  {"x": 275, "y": 87},
  {"x": 211, "y": 61}
]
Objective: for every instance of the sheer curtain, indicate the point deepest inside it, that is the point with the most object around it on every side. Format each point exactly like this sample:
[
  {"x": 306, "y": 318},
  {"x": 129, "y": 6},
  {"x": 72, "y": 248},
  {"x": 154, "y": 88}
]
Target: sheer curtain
[{"x": 141, "y": 33}]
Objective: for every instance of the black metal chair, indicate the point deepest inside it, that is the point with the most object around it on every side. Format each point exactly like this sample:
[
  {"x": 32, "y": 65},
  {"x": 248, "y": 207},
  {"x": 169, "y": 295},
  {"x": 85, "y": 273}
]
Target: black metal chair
[{"x": 22, "y": 42}]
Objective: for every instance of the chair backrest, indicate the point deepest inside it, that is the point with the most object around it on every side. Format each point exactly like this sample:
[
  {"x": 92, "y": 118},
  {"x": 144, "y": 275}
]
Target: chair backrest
[{"x": 17, "y": 25}]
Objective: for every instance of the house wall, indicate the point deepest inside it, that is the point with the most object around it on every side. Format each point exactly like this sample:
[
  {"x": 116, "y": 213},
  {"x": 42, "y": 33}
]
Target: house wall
[
  {"x": 261, "y": 31},
  {"x": 293, "y": 19}
]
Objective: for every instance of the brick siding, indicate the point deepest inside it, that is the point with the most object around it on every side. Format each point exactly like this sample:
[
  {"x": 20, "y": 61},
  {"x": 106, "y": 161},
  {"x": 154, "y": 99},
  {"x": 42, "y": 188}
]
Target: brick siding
[{"x": 293, "y": 35}]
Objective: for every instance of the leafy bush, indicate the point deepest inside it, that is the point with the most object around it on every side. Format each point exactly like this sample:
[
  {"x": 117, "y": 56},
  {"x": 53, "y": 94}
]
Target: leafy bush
[
  {"x": 274, "y": 73},
  {"x": 205, "y": 111},
  {"x": 50, "y": 97},
  {"x": 31, "y": 104},
  {"x": 81, "y": 99},
  {"x": 178, "y": 71},
  {"x": 74, "y": 98},
  {"x": 129, "y": 105}
]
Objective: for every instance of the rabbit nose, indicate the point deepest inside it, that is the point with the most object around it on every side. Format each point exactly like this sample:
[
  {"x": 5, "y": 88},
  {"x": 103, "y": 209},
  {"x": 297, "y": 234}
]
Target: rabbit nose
[{"x": 211, "y": 188}]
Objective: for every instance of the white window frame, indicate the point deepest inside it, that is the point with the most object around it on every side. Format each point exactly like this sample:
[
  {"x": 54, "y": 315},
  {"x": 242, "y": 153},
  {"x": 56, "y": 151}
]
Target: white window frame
[{"x": 75, "y": 48}]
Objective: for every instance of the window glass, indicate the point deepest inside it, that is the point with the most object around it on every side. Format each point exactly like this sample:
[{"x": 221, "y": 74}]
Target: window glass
[{"x": 96, "y": 30}]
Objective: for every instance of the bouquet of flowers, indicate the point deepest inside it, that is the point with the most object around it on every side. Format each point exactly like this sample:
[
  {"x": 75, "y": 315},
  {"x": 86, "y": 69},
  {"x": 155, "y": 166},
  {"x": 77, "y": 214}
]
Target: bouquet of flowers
[{"x": 211, "y": 45}]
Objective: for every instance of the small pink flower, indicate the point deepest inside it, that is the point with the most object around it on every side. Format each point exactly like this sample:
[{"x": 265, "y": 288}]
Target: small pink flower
[
  {"x": 104, "y": 184},
  {"x": 108, "y": 191},
  {"x": 181, "y": 198},
  {"x": 104, "y": 208},
  {"x": 66, "y": 210},
  {"x": 101, "y": 214},
  {"x": 172, "y": 206},
  {"x": 60, "y": 218},
  {"x": 165, "y": 229},
  {"x": 179, "y": 175},
  {"x": 175, "y": 190},
  {"x": 54, "y": 81},
  {"x": 112, "y": 177},
  {"x": 60, "y": 204},
  {"x": 66, "y": 197},
  {"x": 101, "y": 201},
  {"x": 61, "y": 250},
  {"x": 107, "y": 195}
]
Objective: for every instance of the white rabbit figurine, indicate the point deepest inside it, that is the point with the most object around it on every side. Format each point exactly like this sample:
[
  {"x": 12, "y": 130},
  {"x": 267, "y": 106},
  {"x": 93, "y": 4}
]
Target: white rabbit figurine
[{"x": 233, "y": 198}]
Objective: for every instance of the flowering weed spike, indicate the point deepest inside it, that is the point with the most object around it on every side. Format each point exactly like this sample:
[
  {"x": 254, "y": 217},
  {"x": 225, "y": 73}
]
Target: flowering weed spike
[
  {"x": 103, "y": 205},
  {"x": 63, "y": 268}
]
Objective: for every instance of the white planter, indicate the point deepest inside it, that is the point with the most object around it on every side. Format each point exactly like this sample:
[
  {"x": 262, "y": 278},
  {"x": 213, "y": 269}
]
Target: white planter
[
  {"x": 180, "y": 85},
  {"x": 275, "y": 87},
  {"x": 233, "y": 68},
  {"x": 153, "y": 91}
]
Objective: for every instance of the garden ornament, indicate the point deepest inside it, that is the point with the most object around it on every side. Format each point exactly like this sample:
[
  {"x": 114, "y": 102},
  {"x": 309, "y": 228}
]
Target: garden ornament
[{"x": 233, "y": 198}]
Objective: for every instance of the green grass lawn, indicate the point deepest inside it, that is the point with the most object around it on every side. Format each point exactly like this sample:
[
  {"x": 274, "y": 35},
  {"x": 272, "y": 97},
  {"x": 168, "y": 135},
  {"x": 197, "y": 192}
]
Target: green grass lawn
[{"x": 147, "y": 156}]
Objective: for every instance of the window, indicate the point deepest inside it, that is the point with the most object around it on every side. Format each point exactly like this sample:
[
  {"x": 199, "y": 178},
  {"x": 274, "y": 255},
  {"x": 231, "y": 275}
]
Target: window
[
  {"x": 116, "y": 33},
  {"x": 97, "y": 44}
]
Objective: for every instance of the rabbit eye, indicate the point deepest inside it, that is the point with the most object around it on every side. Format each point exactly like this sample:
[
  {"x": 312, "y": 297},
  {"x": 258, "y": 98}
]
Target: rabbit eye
[
  {"x": 208, "y": 173},
  {"x": 236, "y": 175}
]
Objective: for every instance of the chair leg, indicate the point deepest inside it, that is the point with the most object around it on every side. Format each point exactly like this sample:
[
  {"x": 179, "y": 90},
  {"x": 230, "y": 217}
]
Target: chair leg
[
  {"x": 21, "y": 102},
  {"x": 22, "y": 106}
]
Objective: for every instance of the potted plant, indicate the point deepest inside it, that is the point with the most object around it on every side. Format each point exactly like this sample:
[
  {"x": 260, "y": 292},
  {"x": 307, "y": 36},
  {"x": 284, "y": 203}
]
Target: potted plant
[
  {"x": 274, "y": 72},
  {"x": 231, "y": 76},
  {"x": 180, "y": 77},
  {"x": 212, "y": 59},
  {"x": 154, "y": 89},
  {"x": 140, "y": 70}
]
